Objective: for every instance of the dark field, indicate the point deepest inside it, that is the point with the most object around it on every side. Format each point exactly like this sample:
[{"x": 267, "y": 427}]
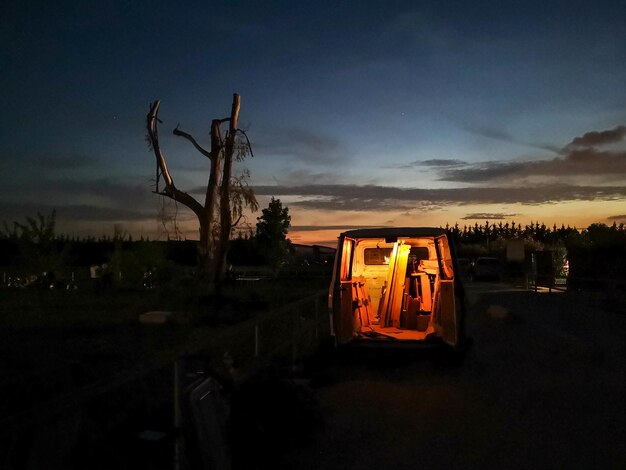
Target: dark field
[
  {"x": 81, "y": 374},
  {"x": 542, "y": 386}
]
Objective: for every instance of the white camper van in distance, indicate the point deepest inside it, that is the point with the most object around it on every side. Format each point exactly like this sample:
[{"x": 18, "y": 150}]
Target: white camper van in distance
[{"x": 396, "y": 287}]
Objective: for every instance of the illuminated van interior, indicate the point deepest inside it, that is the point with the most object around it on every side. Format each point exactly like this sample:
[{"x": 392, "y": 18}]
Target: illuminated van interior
[{"x": 395, "y": 288}]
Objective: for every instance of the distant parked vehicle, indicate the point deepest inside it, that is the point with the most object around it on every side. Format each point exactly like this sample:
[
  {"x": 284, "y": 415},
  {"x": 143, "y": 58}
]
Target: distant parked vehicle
[{"x": 486, "y": 268}]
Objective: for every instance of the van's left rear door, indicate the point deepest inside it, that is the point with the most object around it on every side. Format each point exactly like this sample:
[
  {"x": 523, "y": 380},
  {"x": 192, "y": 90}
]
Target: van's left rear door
[{"x": 341, "y": 292}]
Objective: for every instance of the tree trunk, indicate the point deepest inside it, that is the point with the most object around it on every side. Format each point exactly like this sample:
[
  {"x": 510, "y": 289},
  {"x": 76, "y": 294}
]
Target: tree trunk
[
  {"x": 225, "y": 211},
  {"x": 207, "y": 248}
]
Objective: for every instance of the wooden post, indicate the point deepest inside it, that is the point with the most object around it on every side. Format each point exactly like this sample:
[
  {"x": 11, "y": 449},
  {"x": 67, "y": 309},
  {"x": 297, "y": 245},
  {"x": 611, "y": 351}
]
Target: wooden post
[
  {"x": 177, "y": 417},
  {"x": 294, "y": 351},
  {"x": 317, "y": 323}
]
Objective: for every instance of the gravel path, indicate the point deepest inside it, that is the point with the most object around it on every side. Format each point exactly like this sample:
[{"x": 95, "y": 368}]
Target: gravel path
[{"x": 544, "y": 386}]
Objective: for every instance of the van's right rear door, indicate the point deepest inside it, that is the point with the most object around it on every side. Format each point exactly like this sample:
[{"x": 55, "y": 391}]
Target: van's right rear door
[{"x": 446, "y": 312}]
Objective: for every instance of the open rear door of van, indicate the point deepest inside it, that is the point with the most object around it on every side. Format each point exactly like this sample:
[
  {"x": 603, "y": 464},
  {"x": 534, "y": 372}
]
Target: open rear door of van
[
  {"x": 446, "y": 316},
  {"x": 340, "y": 304}
]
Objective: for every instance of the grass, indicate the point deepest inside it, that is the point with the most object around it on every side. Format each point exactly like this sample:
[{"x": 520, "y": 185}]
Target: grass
[
  {"x": 71, "y": 352},
  {"x": 26, "y": 308},
  {"x": 41, "y": 329}
]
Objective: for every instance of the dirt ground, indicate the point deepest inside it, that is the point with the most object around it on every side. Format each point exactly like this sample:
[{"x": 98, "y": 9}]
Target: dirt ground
[{"x": 544, "y": 386}]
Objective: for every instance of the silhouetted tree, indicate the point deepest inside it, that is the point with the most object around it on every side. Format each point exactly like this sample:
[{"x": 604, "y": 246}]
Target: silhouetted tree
[
  {"x": 271, "y": 233},
  {"x": 601, "y": 235},
  {"x": 226, "y": 197},
  {"x": 38, "y": 244}
]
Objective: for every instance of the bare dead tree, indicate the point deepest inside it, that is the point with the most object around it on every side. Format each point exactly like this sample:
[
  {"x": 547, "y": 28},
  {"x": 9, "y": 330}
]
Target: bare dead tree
[{"x": 226, "y": 196}]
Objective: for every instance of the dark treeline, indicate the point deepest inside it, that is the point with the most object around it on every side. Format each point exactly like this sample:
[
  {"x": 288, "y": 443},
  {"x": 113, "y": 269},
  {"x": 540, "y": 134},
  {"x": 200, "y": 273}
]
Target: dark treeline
[
  {"x": 482, "y": 233},
  {"x": 91, "y": 251},
  {"x": 481, "y": 239},
  {"x": 34, "y": 247},
  {"x": 33, "y": 256},
  {"x": 85, "y": 251},
  {"x": 596, "y": 254}
]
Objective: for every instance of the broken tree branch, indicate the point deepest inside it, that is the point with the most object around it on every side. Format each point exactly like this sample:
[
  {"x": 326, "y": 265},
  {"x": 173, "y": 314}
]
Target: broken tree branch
[
  {"x": 228, "y": 164},
  {"x": 247, "y": 140},
  {"x": 154, "y": 141},
  {"x": 190, "y": 138},
  {"x": 170, "y": 189}
]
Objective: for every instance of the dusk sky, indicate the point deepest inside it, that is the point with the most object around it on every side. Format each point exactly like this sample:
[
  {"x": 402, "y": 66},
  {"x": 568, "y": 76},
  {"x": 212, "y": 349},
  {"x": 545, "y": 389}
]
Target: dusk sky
[{"x": 366, "y": 113}]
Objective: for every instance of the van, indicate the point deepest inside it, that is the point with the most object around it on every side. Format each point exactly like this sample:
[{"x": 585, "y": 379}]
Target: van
[
  {"x": 396, "y": 287},
  {"x": 486, "y": 267}
]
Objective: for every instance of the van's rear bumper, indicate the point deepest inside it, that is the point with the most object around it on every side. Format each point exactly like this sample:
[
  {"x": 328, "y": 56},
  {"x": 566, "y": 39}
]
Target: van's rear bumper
[{"x": 390, "y": 343}]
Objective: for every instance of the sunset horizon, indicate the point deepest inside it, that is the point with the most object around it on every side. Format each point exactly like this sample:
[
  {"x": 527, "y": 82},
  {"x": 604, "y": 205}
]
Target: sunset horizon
[{"x": 410, "y": 115}]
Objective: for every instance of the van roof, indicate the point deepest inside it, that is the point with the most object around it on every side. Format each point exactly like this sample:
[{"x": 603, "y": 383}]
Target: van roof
[{"x": 395, "y": 232}]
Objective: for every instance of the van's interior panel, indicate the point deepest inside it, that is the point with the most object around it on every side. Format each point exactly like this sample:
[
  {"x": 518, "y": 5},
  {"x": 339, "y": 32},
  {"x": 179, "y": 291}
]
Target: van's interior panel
[{"x": 393, "y": 295}]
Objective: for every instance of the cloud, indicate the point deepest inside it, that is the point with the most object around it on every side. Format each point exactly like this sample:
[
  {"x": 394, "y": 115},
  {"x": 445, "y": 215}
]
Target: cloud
[
  {"x": 578, "y": 159},
  {"x": 306, "y": 146},
  {"x": 113, "y": 192},
  {"x": 595, "y": 138},
  {"x": 308, "y": 177},
  {"x": 309, "y": 228},
  {"x": 499, "y": 134},
  {"x": 83, "y": 212},
  {"x": 13, "y": 163},
  {"x": 583, "y": 163},
  {"x": 60, "y": 163},
  {"x": 435, "y": 163},
  {"x": 617, "y": 217},
  {"x": 82, "y": 200},
  {"x": 381, "y": 198},
  {"x": 488, "y": 216},
  {"x": 439, "y": 162}
]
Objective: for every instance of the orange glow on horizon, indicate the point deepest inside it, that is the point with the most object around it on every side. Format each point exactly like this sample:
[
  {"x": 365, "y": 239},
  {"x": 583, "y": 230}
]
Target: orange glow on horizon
[{"x": 319, "y": 227}]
